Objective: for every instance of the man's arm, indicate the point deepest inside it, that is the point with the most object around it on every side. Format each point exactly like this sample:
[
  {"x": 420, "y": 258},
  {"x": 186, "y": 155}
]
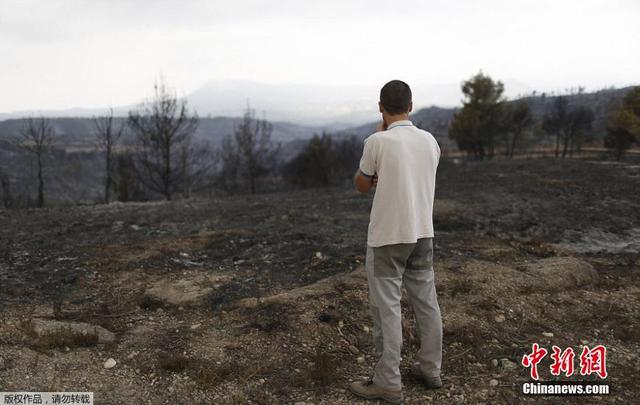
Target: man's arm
[
  {"x": 367, "y": 177},
  {"x": 364, "y": 182}
]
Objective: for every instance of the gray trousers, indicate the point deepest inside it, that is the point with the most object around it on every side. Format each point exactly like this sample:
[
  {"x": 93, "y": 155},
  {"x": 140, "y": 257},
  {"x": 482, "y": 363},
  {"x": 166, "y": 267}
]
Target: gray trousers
[{"x": 388, "y": 269}]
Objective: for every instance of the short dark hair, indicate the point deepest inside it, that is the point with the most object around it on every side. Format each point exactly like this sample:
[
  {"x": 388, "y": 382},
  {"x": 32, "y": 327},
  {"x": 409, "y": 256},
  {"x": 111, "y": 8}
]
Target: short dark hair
[{"x": 395, "y": 97}]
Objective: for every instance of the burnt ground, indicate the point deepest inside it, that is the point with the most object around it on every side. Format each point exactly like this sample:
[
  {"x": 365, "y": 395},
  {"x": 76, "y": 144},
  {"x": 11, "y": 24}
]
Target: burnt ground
[{"x": 262, "y": 299}]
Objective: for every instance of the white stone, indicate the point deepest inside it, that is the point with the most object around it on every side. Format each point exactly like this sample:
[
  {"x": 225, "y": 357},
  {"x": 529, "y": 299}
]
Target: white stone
[{"x": 110, "y": 363}]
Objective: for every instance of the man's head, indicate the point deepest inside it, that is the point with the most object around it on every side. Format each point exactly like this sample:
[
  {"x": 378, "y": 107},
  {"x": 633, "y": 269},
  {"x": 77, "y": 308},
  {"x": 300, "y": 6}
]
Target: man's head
[{"x": 395, "y": 98}]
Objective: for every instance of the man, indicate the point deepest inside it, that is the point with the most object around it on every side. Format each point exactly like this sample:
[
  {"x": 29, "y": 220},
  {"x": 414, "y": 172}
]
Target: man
[{"x": 400, "y": 161}]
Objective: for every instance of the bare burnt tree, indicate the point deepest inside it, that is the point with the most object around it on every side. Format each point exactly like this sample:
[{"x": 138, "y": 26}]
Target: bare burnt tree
[
  {"x": 554, "y": 121},
  {"x": 108, "y": 134},
  {"x": 37, "y": 135},
  {"x": 196, "y": 163},
  {"x": 519, "y": 119},
  {"x": 571, "y": 127},
  {"x": 5, "y": 190},
  {"x": 162, "y": 126},
  {"x": 250, "y": 153}
]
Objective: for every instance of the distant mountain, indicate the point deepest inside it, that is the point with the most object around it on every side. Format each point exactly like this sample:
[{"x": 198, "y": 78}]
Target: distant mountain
[{"x": 331, "y": 106}]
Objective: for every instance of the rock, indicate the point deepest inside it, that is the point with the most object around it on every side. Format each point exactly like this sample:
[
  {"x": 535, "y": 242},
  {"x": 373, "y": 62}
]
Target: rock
[
  {"x": 558, "y": 273},
  {"x": 3, "y": 364},
  {"x": 547, "y": 334},
  {"x": 110, "y": 363},
  {"x": 353, "y": 349},
  {"x": 360, "y": 359},
  {"x": 141, "y": 330},
  {"x": 320, "y": 288},
  {"x": 366, "y": 329},
  {"x": 500, "y": 318},
  {"x": 195, "y": 326},
  {"x": 177, "y": 292},
  {"x": 132, "y": 355},
  {"x": 493, "y": 382},
  {"x": 135, "y": 227},
  {"x": 44, "y": 327},
  {"x": 494, "y": 362},
  {"x": 508, "y": 365}
]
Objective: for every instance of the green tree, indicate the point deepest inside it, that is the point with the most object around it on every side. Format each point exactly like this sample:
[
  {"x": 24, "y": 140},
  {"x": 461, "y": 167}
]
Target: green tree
[
  {"x": 476, "y": 126},
  {"x": 623, "y": 124}
]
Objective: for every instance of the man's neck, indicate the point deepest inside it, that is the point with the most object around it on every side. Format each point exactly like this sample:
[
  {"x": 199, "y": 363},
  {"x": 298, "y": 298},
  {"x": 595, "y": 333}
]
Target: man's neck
[{"x": 390, "y": 119}]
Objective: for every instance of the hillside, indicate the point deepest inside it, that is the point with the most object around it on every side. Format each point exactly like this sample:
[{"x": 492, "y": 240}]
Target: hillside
[
  {"x": 264, "y": 299},
  {"x": 436, "y": 120},
  {"x": 79, "y": 131}
]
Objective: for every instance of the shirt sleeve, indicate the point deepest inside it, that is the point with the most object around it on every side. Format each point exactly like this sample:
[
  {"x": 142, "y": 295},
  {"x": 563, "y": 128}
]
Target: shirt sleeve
[{"x": 368, "y": 162}]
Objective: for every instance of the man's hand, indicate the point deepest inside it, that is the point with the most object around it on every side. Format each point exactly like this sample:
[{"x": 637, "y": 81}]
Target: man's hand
[{"x": 382, "y": 126}]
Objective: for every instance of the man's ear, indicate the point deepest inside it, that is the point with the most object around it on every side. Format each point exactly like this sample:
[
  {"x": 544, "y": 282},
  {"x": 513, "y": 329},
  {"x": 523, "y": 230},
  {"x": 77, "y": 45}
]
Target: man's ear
[
  {"x": 380, "y": 107},
  {"x": 411, "y": 106}
]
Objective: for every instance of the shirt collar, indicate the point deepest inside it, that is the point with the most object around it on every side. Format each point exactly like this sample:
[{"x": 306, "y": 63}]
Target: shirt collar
[{"x": 401, "y": 123}]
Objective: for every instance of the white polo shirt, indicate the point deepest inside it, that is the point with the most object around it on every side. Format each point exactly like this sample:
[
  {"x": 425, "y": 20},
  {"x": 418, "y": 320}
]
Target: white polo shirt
[{"x": 405, "y": 158}]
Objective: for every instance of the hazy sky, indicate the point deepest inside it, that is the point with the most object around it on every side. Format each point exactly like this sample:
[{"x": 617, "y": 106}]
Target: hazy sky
[{"x": 59, "y": 54}]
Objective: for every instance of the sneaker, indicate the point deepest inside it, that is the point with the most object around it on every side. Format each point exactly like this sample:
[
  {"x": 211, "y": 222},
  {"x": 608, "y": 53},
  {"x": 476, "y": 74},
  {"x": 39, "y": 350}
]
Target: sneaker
[
  {"x": 431, "y": 382},
  {"x": 369, "y": 390}
]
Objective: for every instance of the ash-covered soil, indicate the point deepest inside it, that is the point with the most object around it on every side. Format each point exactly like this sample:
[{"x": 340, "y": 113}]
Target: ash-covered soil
[{"x": 262, "y": 299}]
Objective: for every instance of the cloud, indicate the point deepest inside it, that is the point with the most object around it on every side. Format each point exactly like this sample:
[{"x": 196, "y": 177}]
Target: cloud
[{"x": 65, "y": 53}]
